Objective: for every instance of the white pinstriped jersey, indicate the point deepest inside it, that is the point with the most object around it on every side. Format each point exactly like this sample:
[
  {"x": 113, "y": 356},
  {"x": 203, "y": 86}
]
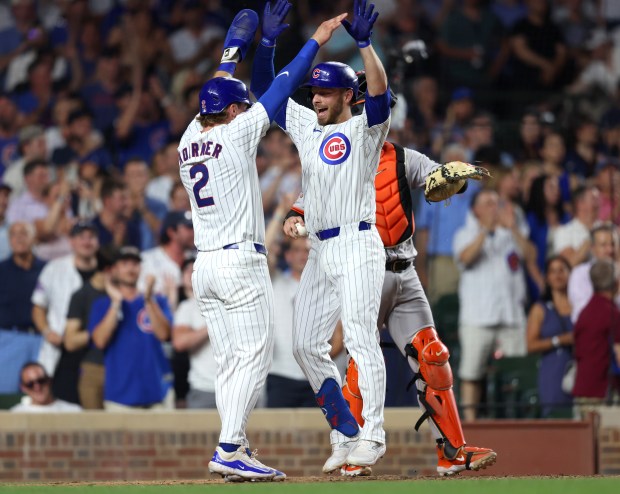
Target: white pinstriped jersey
[
  {"x": 218, "y": 170},
  {"x": 417, "y": 167},
  {"x": 339, "y": 163}
]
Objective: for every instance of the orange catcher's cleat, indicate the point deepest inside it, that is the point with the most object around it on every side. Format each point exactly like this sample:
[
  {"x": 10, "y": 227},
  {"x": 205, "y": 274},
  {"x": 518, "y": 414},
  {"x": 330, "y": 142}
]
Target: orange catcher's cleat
[
  {"x": 355, "y": 471},
  {"x": 469, "y": 458}
]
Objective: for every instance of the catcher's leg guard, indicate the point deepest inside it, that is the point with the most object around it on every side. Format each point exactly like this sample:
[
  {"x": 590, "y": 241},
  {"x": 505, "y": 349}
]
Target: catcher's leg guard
[
  {"x": 351, "y": 392},
  {"x": 434, "y": 384},
  {"x": 240, "y": 35},
  {"x": 335, "y": 408}
]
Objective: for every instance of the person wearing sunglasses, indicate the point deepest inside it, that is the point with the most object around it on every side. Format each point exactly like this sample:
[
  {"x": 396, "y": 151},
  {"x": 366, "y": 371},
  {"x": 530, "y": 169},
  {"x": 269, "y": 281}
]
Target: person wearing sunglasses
[{"x": 36, "y": 384}]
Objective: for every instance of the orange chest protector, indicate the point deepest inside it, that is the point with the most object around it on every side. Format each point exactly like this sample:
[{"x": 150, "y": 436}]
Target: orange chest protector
[{"x": 395, "y": 220}]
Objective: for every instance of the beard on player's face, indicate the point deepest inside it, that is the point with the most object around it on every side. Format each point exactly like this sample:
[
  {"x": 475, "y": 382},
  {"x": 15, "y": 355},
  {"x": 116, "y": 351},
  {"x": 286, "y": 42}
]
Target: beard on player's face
[{"x": 329, "y": 104}]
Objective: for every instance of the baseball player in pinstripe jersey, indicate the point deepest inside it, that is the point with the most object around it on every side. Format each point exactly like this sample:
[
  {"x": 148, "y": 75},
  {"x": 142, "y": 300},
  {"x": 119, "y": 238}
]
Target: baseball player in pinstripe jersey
[
  {"x": 217, "y": 161},
  {"x": 344, "y": 274},
  {"x": 406, "y": 313},
  {"x": 405, "y": 310}
]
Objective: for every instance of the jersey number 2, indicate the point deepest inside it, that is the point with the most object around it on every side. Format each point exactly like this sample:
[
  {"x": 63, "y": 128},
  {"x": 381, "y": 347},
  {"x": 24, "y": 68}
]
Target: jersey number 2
[{"x": 198, "y": 186}]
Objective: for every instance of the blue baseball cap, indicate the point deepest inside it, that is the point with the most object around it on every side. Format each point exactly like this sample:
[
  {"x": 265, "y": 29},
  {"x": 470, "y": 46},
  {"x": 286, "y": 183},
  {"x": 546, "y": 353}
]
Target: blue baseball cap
[
  {"x": 128, "y": 252},
  {"x": 176, "y": 218},
  {"x": 461, "y": 93},
  {"x": 82, "y": 226}
]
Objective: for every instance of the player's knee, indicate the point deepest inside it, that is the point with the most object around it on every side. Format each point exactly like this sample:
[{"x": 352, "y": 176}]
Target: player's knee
[
  {"x": 302, "y": 350},
  {"x": 432, "y": 358}
]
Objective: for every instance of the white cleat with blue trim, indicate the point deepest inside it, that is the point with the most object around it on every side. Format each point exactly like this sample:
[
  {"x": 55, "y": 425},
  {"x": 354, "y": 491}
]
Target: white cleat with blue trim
[{"x": 241, "y": 465}]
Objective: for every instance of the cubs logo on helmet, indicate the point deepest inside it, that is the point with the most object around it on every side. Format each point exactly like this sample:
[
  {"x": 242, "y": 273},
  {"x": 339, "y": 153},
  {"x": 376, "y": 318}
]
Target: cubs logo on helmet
[
  {"x": 316, "y": 73},
  {"x": 335, "y": 149}
]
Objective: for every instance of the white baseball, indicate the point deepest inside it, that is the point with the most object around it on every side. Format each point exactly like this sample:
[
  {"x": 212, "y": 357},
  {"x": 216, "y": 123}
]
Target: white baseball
[{"x": 301, "y": 230}]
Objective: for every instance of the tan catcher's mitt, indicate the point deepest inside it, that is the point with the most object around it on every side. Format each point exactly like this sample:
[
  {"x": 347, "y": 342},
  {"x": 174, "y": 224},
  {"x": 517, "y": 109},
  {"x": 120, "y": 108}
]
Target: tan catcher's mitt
[{"x": 448, "y": 179}]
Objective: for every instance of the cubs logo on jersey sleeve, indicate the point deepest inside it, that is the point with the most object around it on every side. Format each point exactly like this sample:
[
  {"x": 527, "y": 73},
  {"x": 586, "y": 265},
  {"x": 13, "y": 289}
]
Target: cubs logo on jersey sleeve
[{"x": 335, "y": 149}]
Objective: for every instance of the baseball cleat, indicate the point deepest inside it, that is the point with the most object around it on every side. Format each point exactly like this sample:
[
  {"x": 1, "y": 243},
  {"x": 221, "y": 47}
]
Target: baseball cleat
[
  {"x": 469, "y": 458},
  {"x": 241, "y": 33},
  {"x": 279, "y": 476},
  {"x": 365, "y": 453},
  {"x": 340, "y": 451},
  {"x": 240, "y": 463},
  {"x": 233, "y": 478},
  {"x": 355, "y": 471}
]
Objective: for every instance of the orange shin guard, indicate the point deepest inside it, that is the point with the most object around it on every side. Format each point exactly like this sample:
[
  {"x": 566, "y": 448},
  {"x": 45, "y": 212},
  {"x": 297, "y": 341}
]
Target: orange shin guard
[
  {"x": 351, "y": 392},
  {"x": 434, "y": 384}
]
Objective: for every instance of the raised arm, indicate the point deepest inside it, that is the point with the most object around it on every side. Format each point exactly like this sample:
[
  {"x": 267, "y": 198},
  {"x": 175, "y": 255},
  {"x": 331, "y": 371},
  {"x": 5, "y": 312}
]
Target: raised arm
[
  {"x": 361, "y": 30},
  {"x": 238, "y": 39},
  {"x": 378, "y": 96},
  {"x": 289, "y": 78},
  {"x": 263, "y": 72}
]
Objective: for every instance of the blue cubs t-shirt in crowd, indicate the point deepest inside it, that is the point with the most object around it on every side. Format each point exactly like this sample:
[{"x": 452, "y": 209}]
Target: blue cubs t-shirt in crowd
[
  {"x": 8, "y": 152},
  {"x": 137, "y": 372}
]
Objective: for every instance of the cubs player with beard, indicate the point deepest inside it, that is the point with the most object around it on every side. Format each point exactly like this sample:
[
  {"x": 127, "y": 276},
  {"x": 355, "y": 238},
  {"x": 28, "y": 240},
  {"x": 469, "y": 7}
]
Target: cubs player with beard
[
  {"x": 406, "y": 312},
  {"x": 217, "y": 160},
  {"x": 345, "y": 270}
]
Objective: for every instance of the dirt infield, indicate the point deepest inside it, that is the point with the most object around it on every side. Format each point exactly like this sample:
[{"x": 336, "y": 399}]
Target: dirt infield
[
  {"x": 300, "y": 480},
  {"x": 217, "y": 480}
]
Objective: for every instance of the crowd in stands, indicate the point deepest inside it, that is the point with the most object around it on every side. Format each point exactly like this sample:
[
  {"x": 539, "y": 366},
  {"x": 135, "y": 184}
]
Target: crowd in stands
[{"x": 96, "y": 232}]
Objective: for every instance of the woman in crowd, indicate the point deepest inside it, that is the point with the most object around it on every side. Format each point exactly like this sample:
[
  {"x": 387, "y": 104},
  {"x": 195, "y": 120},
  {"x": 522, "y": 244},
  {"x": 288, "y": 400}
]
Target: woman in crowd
[
  {"x": 544, "y": 214},
  {"x": 549, "y": 332}
]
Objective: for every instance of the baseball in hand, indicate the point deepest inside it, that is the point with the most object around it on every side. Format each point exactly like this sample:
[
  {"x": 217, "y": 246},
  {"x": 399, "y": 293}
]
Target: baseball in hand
[{"x": 301, "y": 230}]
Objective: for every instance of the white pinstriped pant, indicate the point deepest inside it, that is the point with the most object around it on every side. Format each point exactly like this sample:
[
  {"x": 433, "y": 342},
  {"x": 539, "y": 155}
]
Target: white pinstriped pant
[
  {"x": 235, "y": 296},
  {"x": 343, "y": 278}
]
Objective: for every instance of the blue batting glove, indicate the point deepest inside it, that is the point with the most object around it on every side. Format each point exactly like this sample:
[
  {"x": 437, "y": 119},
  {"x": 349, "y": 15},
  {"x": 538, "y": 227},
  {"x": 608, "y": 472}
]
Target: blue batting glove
[
  {"x": 363, "y": 19},
  {"x": 273, "y": 20}
]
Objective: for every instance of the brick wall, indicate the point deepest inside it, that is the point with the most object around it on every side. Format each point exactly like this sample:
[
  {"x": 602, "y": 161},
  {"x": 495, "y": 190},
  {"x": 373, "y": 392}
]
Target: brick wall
[
  {"x": 100, "y": 446},
  {"x": 609, "y": 441}
]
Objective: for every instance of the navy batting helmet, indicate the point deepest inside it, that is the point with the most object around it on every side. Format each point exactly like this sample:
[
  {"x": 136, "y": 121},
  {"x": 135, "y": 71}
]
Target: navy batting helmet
[
  {"x": 333, "y": 74},
  {"x": 219, "y": 92}
]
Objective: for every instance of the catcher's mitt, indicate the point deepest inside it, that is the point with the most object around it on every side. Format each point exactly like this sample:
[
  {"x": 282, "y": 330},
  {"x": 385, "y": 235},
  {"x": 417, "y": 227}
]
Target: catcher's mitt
[{"x": 448, "y": 179}]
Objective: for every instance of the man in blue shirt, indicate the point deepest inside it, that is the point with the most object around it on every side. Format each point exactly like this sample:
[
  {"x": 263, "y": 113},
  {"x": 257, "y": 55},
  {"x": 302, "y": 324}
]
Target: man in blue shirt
[
  {"x": 130, "y": 328},
  {"x": 19, "y": 340},
  {"x": 8, "y": 132}
]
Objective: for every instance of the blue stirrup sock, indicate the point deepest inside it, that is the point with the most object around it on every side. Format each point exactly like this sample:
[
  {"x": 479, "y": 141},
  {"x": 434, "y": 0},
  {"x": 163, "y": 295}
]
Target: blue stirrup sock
[
  {"x": 229, "y": 448},
  {"x": 335, "y": 408}
]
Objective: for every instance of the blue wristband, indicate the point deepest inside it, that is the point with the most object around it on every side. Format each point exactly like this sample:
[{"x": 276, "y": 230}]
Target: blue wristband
[
  {"x": 228, "y": 67},
  {"x": 269, "y": 43},
  {"x": 363, "y": 44}
]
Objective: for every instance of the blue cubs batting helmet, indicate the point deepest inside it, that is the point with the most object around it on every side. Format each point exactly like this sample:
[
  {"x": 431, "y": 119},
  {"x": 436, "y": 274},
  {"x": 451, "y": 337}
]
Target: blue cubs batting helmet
[
  {"x": 219, "y": 92},
  {"x": 333, "y": 74}
]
